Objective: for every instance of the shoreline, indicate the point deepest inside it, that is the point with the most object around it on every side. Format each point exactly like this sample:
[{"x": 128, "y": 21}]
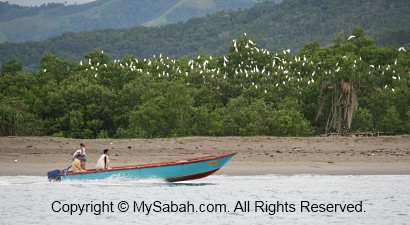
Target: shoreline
[{"x": 384, "y": 155}]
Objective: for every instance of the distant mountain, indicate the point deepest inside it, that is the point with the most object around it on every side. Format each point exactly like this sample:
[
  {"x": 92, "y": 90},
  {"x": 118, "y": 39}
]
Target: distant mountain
[
  {"x": 42, "y": 2},
  {"x": 19, "y": 23},
  {"x": 288, "y": 25}
]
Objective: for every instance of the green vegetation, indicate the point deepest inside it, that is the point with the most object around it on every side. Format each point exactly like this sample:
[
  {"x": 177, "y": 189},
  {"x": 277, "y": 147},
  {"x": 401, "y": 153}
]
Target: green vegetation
[
  {"x": 18, "y": 23},
  {"x": 274, "y": 27},
  {"x": 350, "y": 86}
]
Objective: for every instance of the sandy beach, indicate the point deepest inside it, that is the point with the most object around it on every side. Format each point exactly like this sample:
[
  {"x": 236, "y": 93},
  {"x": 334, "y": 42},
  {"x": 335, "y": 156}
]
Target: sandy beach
[{"x": 256, "y": 155}]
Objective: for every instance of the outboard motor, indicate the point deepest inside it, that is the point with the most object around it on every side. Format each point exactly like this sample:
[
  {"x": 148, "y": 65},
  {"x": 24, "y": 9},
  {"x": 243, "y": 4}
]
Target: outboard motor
[{"x": 53, "y": 174}]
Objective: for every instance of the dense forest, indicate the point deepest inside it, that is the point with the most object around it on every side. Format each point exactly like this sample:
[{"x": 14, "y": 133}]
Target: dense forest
[
  {"x": 352, "y": 85},
  {"x": 274, "y": 27},
  {"x": 19, "y": 23}
]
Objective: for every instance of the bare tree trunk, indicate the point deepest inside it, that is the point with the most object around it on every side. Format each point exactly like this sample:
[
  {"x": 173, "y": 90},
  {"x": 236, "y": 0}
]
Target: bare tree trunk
[{"x": 344, "y": 103}]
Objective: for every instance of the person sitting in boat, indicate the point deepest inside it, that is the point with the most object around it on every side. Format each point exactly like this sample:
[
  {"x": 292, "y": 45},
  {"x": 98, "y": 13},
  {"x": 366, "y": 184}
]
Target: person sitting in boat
[
  {"x": 81, "y": 151},
  {"x": 76, "y": 165},
  {"x": 103, "y": 161}
]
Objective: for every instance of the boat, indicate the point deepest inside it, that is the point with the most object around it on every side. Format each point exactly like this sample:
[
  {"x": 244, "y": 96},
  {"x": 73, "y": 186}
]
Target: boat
[{"x": 171, "y": 171}]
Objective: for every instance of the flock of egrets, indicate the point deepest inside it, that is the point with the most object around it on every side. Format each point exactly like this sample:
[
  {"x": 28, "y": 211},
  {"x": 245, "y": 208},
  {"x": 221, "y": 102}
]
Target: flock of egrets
[{"x": 251, "y": 67}]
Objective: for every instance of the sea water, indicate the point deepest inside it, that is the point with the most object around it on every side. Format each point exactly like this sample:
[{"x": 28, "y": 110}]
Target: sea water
[{"x": 267, "y": 199}]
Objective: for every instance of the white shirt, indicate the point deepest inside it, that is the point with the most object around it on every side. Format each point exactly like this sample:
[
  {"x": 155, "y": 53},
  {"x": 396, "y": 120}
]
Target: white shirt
[
  {"x": 101, "y": 162},
  {"x": 78, "y": 152}
]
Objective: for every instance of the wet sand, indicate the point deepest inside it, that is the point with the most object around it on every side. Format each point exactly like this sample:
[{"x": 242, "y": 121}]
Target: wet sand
[{"x": 256, "y": 155}]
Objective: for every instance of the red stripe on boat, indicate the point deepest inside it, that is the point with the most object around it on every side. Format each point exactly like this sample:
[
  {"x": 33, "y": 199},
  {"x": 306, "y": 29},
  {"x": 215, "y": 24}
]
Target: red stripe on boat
[{"x": 192, "y": 177}]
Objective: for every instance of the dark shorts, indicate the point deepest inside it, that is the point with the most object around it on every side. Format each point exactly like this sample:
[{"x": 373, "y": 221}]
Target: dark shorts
[{"x": 84, "y": 159}]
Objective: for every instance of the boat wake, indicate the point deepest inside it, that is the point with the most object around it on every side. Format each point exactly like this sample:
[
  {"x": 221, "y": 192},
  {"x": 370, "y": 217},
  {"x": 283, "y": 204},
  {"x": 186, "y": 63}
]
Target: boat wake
[
  {"x": 113, "y": 181},
  {"x": 122, "y": 181}
]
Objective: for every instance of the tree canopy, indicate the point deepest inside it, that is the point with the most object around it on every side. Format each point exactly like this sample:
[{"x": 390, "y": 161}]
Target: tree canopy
[{"x": 249, "y": 91}]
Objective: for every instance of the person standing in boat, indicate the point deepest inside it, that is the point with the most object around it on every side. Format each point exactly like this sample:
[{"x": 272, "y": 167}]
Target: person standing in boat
[
  {"x": 81, "y": 152},
  {"x": 76, "y": 165},
  {"x": 103, "y": 161}
]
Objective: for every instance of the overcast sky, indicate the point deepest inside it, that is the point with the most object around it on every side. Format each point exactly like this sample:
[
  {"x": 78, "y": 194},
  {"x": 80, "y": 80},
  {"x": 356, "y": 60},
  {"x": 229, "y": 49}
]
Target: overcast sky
[{"x": 40, "y": 2}]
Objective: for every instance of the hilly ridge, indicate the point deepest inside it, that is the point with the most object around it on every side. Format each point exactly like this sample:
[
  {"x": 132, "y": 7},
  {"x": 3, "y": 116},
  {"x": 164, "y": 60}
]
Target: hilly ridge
[
  {"x": 18, "y": 23},
  {"x": 287, "y": 25}
]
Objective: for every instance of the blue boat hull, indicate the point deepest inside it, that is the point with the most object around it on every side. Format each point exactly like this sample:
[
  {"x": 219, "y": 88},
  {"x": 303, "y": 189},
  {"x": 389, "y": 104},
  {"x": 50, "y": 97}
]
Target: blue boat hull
[{"x": 169, "y": 171}]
